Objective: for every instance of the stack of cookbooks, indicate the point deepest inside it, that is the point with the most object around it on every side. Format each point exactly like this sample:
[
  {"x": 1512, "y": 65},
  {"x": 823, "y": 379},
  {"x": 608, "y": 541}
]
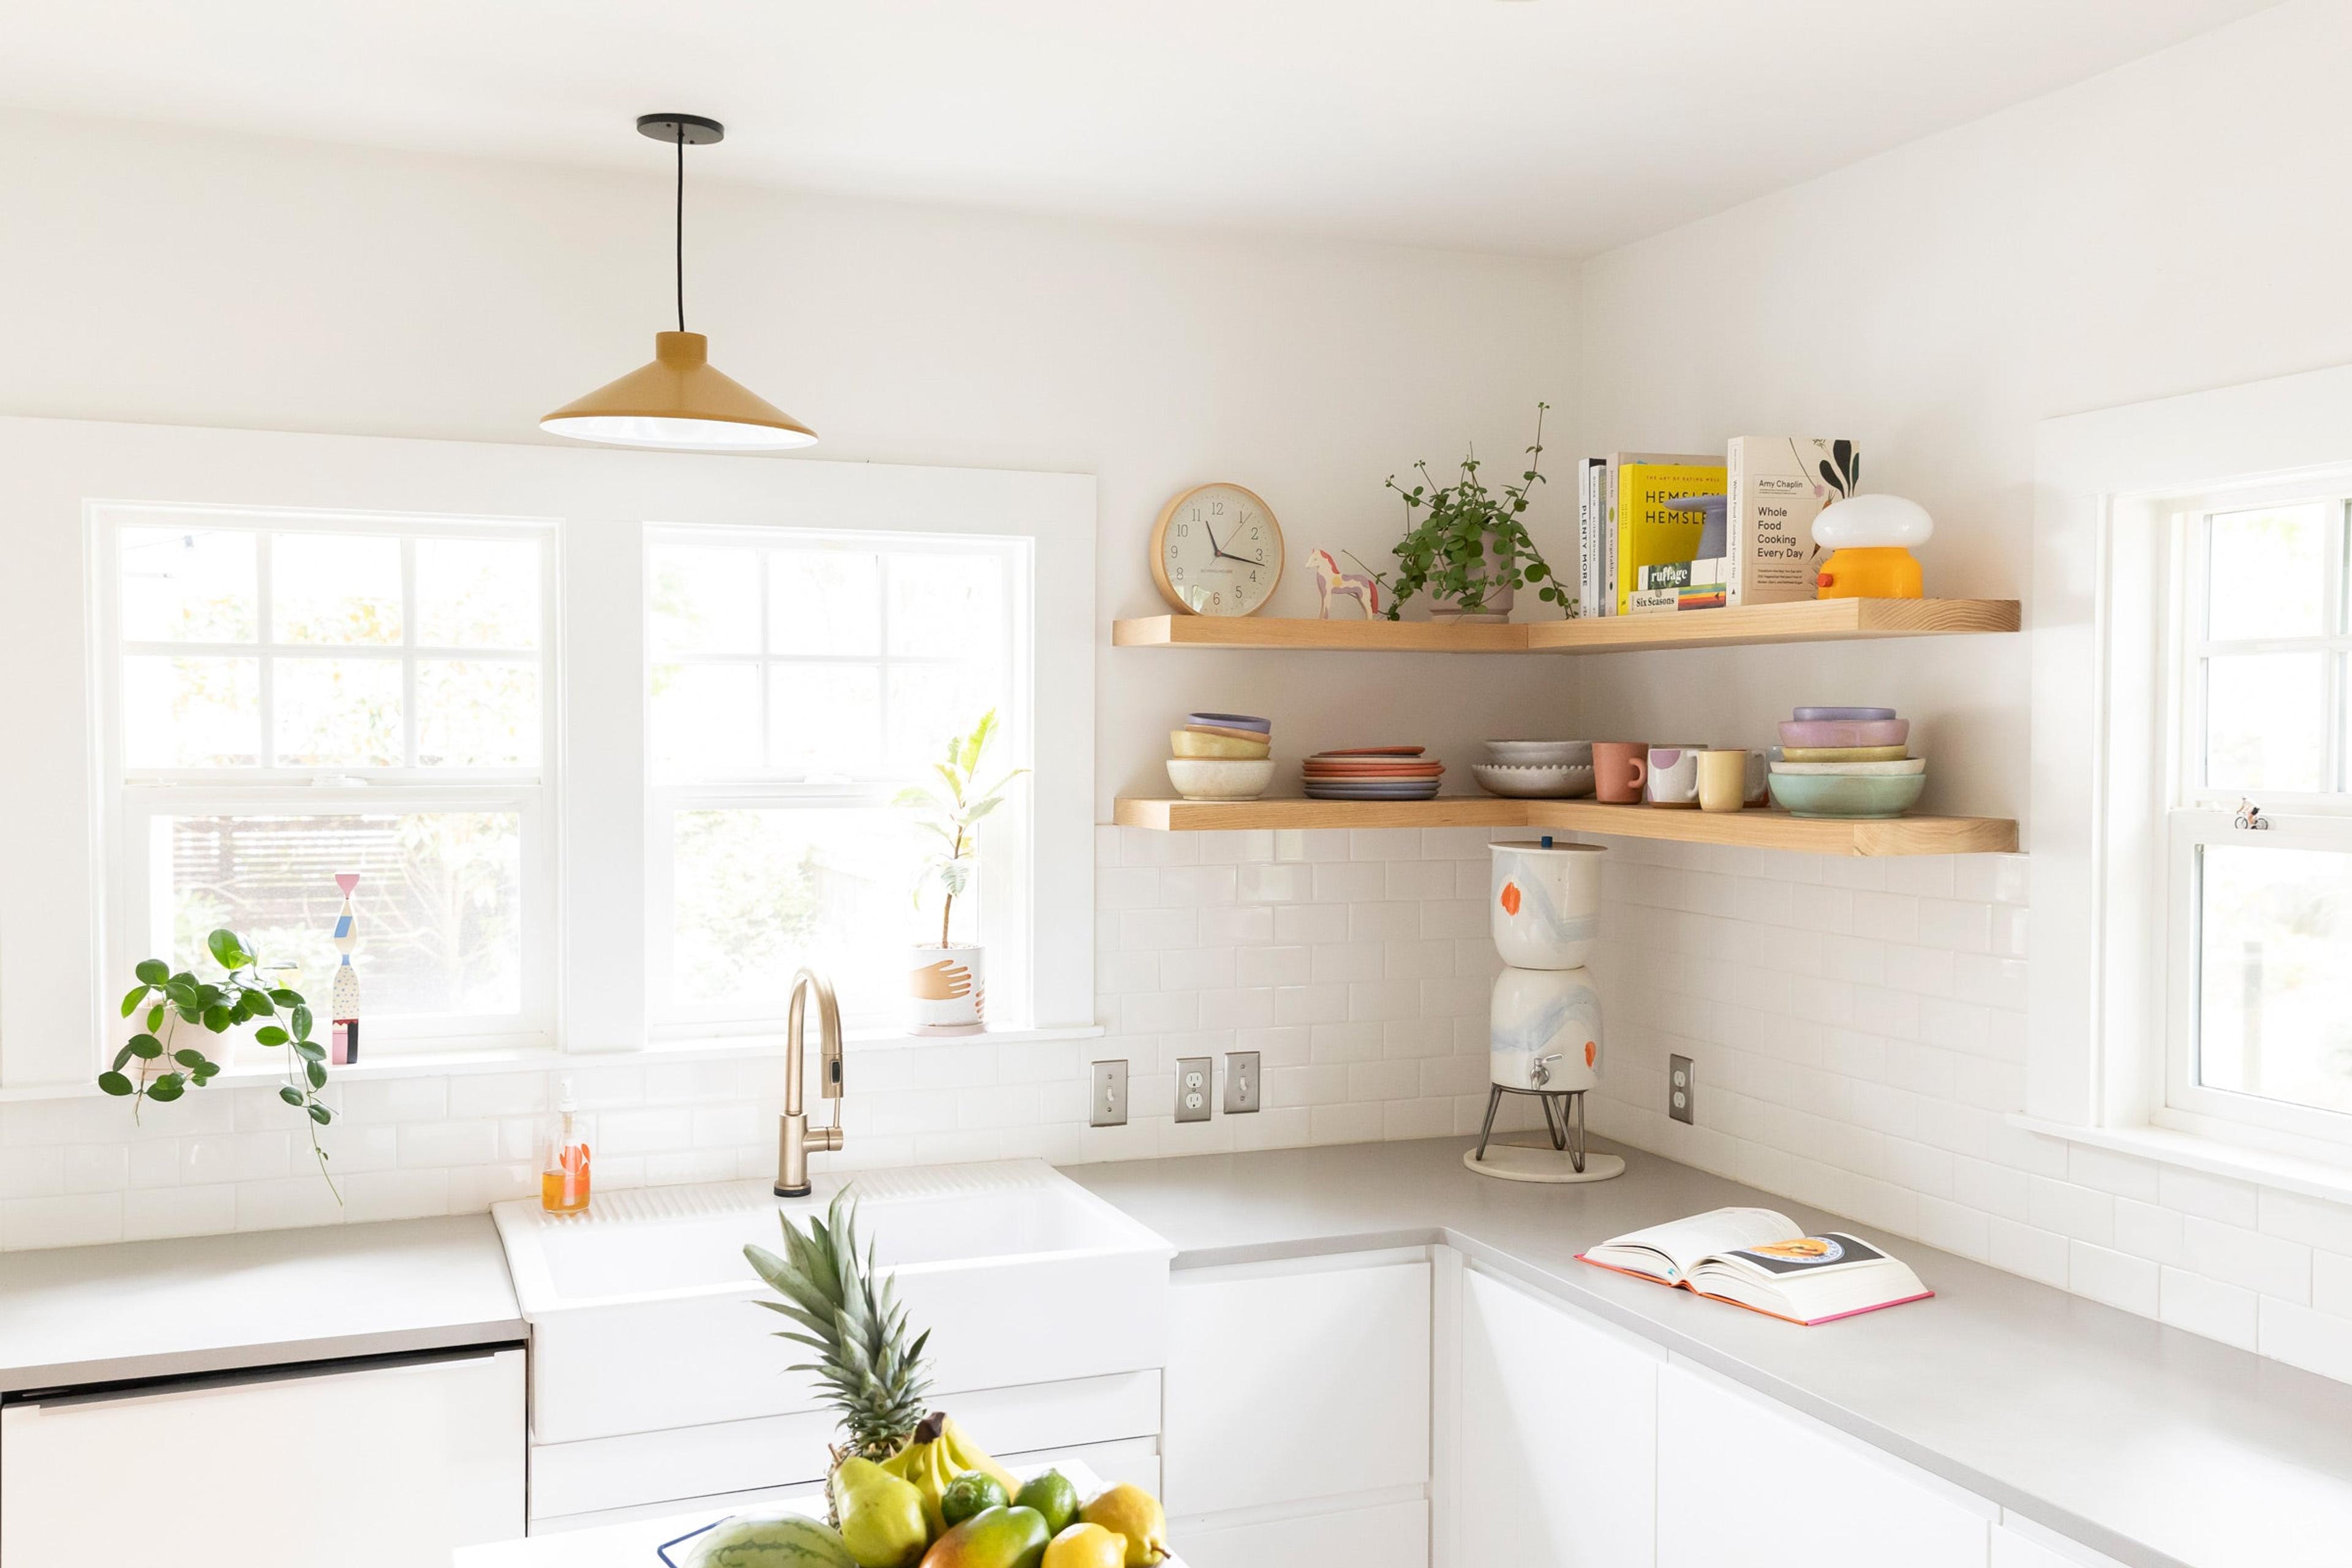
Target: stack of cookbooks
[{"x": 1372, "y": 772}]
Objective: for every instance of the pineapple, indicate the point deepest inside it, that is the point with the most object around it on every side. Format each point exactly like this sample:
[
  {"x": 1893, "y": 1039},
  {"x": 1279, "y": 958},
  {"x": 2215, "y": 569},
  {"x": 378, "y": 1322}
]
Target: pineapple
[{"x": 855, "y": 1325}]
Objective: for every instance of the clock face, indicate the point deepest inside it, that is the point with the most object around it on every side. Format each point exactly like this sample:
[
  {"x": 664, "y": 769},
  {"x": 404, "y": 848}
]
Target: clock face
[{"x": 1217, "y": 551}]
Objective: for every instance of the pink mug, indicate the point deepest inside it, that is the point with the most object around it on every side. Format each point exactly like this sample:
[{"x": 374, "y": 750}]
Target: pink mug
[{"x": 1620, "y": 769}]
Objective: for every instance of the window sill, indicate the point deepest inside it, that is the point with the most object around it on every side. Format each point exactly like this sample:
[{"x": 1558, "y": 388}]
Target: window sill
[
  {"x": 2287, "y": 1172},
  {"x": 459, "y": 1064}
]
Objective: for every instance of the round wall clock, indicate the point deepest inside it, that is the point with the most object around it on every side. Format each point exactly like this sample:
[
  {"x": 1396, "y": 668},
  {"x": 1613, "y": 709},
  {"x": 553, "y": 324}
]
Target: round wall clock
[{"x": 1216, "y": 551}]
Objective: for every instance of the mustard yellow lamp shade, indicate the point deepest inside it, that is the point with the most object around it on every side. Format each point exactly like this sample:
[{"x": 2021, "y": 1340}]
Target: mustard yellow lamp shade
[{"x": 681, "y": 403}]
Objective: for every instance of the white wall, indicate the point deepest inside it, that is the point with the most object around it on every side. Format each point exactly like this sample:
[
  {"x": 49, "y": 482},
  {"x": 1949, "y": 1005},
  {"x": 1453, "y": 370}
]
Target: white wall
[
  {"x": 1858, "y": 1029},
  {"x": 189, "y": 278}
]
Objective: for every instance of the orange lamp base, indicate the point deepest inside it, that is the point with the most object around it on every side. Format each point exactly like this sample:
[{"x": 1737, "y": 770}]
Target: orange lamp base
[{"x": 1888, "y": 571}]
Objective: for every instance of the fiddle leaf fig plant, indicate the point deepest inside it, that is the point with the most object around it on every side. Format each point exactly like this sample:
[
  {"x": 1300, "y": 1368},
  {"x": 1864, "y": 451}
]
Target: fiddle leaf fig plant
[
  {"x": 161, "y": 1062},
  {"x": 948, "y": 814},
  {"x": 1469, "y": 540}
]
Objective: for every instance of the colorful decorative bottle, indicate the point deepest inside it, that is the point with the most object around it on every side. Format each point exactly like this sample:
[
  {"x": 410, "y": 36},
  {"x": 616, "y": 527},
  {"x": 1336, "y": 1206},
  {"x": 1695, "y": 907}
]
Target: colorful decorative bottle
[
  {"x": 563, "y": 1174},
  {"x": 343, "y": 1003}
]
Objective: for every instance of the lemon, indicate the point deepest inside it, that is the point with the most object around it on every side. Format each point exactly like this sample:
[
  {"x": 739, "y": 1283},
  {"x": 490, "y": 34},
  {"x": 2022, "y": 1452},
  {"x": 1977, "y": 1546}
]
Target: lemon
[
  {"x": 1086, "y": 1546},
  {"x": 1131, "y": 1512}
]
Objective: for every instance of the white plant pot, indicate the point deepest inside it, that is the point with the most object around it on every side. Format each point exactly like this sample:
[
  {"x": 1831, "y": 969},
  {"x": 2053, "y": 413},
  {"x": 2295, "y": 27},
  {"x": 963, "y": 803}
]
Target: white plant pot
[
  {"x": 1544, "y": 1030},
  {"x": 947, "y": 987},
  {"x": 1544, "y": 906}
]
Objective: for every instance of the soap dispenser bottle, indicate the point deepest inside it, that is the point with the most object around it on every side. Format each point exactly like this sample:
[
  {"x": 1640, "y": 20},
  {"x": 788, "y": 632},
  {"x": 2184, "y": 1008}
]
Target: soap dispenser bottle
[{"x": 563, "y": 1174}]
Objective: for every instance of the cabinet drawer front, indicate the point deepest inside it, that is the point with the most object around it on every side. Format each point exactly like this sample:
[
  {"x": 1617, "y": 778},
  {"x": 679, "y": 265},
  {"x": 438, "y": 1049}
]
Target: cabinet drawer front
[
  {"x": 1389, "y": 1535},
  {"x": 1297, "y": 1384}
]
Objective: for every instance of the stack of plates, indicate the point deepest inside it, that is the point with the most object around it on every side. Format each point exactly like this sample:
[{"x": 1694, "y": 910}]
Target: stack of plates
[
  {"x": 1847, "y": 761},
  {"x": 1372, "y": 772}
]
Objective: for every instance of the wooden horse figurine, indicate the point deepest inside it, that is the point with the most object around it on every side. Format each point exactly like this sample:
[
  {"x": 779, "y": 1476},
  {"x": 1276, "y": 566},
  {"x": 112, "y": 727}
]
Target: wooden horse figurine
[{"x": 1331, "y": 583}]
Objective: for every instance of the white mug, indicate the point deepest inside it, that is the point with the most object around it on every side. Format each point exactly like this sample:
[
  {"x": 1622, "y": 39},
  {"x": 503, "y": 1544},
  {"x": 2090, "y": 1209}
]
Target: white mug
[{"x": 1673, "y": 775}]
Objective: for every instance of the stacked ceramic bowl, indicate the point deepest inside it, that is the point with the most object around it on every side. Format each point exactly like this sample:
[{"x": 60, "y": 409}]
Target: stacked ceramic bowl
[
  {"x": 1373, "y": 772},
  {"x": 1847, "y": 761},
  {"x": 1536, "y": 769},
  {"x": 1222, "y": 756}
]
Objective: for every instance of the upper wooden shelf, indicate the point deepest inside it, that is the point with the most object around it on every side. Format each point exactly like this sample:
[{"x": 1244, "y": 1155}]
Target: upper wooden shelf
[
  {"x": 1760, "y": 829},
  {"x": 1805, "y": 620}
]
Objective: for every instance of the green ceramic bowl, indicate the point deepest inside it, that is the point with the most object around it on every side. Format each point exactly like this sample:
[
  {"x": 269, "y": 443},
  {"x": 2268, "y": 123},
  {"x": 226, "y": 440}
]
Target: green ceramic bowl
[{"x": 1847, "y": 794}]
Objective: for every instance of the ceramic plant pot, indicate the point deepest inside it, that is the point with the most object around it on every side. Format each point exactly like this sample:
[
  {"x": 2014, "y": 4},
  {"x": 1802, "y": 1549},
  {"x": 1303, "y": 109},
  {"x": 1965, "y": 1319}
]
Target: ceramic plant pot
[
  {"x": 947, "y": 987},
  {"x": 1494, "y": 600},
  {"x": 1544, "y": 1030},
  {"x": 1544, "y": 906}
]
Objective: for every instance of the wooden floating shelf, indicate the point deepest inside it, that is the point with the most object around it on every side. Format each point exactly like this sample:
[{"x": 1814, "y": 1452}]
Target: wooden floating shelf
[
  {"x": 1804, "y": 620},
  {"x": 1758, "y": 829}
]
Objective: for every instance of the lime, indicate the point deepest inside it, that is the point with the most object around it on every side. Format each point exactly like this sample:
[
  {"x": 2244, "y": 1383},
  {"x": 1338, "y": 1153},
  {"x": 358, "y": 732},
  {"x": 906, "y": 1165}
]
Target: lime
[
  {"x": 1051, "y": 1494},
  {"x": 969, "y": 1493}
]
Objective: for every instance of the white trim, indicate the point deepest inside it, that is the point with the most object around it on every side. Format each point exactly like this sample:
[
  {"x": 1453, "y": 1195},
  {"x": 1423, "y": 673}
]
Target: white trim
[
  {"x": 2106, "y": 486},
  {"x": 2197, "y": 1152}
]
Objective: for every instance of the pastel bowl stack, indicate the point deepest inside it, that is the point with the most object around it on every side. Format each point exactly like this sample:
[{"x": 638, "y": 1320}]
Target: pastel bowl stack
[
  {"x": 1847, "y": 761},
  {"x": 1222, "y": 756},
  {"x": 1537, "y": 770},
  {"x": 1373, "y": 772}
]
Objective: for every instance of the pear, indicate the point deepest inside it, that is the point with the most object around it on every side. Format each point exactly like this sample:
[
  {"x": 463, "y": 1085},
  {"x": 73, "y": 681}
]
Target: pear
[{"x": 882, "y": 1517}]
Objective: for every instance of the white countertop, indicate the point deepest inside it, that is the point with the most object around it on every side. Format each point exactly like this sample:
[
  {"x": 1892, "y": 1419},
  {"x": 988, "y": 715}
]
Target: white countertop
[
  {"x": 2160, "y": 1447},
  {"x": 214, "y": 1303}
]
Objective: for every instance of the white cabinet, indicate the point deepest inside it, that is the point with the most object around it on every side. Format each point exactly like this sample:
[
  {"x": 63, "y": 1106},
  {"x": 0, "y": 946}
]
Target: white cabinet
[
  {"x": 380, "y": 1464},
  {"x": 2020, "y": 1544},
  {"x": 1558, "y": 1454},
  {"x": 1377, "y": 1535},
  {"x": 1741, "y": 1479},
  {"x": 1299, "y": 1390}
]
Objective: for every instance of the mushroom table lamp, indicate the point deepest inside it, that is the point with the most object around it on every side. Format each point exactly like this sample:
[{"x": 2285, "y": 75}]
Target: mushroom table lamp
[{"x": 1869, "y": 540}]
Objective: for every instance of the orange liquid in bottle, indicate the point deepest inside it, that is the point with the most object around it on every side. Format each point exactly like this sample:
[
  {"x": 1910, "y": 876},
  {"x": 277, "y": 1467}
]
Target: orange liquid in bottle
[{"x": 565, "y": 1191}]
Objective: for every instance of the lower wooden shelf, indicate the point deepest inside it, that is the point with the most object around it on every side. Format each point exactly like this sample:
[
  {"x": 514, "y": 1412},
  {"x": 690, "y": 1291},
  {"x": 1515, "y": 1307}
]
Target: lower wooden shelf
[{"x": 1762, "y": 830}]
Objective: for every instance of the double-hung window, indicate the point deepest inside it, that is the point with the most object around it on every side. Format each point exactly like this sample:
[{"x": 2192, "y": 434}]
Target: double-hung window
[
  {"x": 2258, "y": 837},
  {"x": 294, "y": 696},
  {"x": 797, "y": 680}
]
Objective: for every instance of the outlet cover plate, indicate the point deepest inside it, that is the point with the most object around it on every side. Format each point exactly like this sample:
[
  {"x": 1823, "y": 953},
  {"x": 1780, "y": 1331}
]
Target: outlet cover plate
[
  {"x": 1681, "y": 1091},
  {"x": 1110, "y": 1095},
  {"x": 1195, "y": 1082},
  {"x": 1241, "y": 1083}
]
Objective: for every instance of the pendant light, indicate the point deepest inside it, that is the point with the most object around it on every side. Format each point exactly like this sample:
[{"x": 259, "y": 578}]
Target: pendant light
[{"x": 679, "y": 401}]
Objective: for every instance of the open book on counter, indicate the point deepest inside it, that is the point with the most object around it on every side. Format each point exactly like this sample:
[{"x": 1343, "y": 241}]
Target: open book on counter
[{"x": 1760, "y": 1260}]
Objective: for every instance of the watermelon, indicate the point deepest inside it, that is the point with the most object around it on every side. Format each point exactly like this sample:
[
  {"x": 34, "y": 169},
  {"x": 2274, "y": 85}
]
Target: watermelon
[{"x": 770, "y": 1541}]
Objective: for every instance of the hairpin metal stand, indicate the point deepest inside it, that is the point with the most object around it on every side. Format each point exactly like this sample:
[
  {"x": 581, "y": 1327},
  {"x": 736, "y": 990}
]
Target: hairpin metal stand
[{"x": 1563, "y": 1114}]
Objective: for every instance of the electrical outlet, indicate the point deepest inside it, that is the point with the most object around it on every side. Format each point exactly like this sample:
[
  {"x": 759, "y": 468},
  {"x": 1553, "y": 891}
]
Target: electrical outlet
[
  {"x": 1681, "y": 1091},
  {"x": 1193, "y": 1086},
  {"x": 1241, "y": 1082},
  {"x": 1110, "y": 1095}
]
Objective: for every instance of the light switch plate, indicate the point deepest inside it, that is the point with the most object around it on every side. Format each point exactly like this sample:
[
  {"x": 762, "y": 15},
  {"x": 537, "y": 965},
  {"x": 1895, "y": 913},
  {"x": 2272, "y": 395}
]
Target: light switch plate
[
  {"x": 1195, "y": 1082},
  {"x": 1682, "y": 1090},
  {"x": 1241, "y": 1082},
  {"x": 1110, "y": 1095}
]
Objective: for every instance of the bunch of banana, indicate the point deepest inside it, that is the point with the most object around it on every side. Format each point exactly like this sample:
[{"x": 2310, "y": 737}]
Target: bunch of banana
[{"x": 936, "y": 1455}]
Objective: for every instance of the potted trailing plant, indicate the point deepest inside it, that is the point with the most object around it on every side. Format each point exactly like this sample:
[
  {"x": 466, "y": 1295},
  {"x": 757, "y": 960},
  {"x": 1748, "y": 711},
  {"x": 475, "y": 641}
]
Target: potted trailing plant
[
  {"x": 1465, "y": 545},
  {"x": 155, "y": 1064},
  {"x": 948, "y": 979}
]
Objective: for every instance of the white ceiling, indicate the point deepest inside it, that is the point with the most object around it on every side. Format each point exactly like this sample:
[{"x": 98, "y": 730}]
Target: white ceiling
[{"x": 1556, "y": 126}]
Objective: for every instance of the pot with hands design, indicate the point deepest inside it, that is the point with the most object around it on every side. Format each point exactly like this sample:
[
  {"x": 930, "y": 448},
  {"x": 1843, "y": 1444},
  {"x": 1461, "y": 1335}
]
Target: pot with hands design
[{"x": 948, "y": 986}]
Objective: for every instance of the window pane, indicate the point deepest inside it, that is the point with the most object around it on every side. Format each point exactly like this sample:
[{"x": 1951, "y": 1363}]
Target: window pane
[
  {"x": 758, "y": 892},
  {"x": 825, "y": 718},
  {"x": 706, "y": 718},
  {"x": 703, "y": 600},
  {"x": 947, "y": 607},
  {"x": 439, "y": 903},
  {"x": 477, "y": 713},
  {"x": 2262, "y": 722},
  {"x": 188, "y": 584},
  {"x": 823, "y": 601},
  {"x": 2267, "y": 573},
  {"x": 478, "y": 593},
  {"x": 191, "y": 713},
  {"x": 335, "y": 587},
  {"x": 337, "y": 712},
  {"x": 2274, "y": 994},
  {"x": 929, "y": 704}
]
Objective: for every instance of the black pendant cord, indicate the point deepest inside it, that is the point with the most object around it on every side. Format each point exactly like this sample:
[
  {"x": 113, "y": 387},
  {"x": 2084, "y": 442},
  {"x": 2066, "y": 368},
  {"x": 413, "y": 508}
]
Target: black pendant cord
[{"x": 677, "y": 229}]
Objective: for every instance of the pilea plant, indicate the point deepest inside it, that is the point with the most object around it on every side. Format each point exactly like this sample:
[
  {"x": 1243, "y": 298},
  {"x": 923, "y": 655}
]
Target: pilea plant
[
  {"x": 162, "y": 1069},
  {"x": 1471, "y": 542}
]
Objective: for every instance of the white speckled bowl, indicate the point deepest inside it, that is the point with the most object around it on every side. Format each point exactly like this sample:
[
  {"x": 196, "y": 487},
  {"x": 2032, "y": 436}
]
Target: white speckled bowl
[{"x": 1212, "y": 778}]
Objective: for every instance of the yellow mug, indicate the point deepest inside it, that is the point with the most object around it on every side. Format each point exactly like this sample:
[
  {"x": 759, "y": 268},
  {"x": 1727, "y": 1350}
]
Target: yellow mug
[{"x": 1722, "y": 780}]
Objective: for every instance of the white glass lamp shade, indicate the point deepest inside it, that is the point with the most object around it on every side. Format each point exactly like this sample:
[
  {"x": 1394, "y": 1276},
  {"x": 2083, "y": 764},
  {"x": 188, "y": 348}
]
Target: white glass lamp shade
[
  {"x": 681, "y": 403},
  {"x": 1873, "y": 522}
]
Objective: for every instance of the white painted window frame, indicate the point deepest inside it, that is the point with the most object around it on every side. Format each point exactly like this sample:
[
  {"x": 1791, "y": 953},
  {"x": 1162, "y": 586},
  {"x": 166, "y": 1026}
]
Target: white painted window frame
[
  {"x": 133, "y": 799},
  {"x": 2113, "y": 489},
  {"x": 55, "y": 908}
]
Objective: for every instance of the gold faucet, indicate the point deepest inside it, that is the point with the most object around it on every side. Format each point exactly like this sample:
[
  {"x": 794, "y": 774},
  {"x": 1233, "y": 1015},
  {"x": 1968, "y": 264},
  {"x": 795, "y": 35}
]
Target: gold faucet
[{"x": 794, "y": 1137}]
